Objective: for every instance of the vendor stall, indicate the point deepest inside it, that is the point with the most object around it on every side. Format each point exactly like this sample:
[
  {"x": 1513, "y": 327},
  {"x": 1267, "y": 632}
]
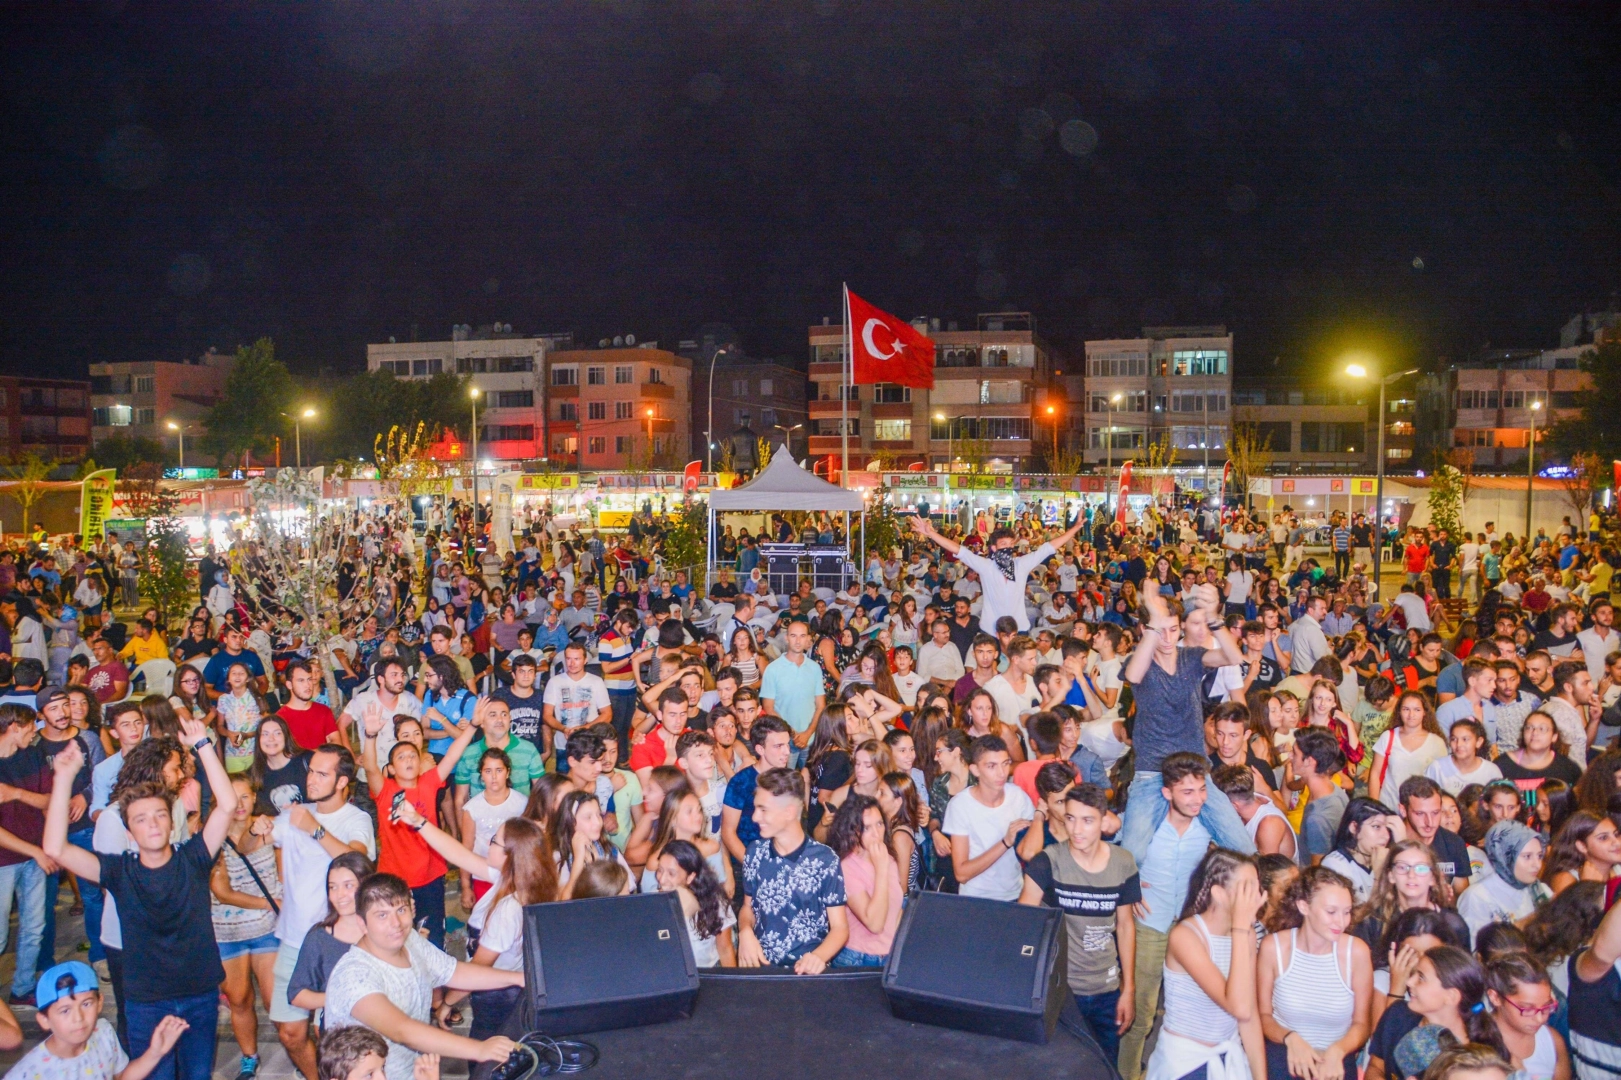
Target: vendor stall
[{"x": 783, "y": 486}]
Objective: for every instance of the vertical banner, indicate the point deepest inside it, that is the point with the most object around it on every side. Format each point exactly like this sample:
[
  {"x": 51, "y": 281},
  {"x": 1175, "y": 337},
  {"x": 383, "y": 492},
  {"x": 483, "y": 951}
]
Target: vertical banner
[
  {"x": 1125, "y": 489},
  {"x": 96, "y": 504},
  {"x": 690, "y": 476}
]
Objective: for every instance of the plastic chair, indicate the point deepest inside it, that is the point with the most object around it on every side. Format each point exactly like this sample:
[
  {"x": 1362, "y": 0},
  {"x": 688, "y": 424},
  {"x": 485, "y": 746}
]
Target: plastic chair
[{"x": 157, "y": 675}]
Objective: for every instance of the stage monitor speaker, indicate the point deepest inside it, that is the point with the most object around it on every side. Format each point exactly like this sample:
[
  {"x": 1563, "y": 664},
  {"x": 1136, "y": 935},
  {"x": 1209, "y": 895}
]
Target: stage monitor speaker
[
  {"x": 984, "y": 966},
  {"x": 611, "y": 962}
]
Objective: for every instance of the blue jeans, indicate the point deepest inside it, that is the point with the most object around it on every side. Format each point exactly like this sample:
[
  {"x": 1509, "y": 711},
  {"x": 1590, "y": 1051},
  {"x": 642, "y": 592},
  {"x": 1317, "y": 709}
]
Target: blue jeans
[
  {"x": 1099, "y": 1012},
  {"x": 27, "y": 881},
  {"x": 849, "y": 958},
  {"x": 93, "y": 903},
  {"x": 1146, "y": 809},
  {"x": 193, "y": 1056}
]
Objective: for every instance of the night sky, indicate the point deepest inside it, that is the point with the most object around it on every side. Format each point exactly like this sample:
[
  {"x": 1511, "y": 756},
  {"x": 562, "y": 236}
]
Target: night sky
[{"x": 1422, "y": 178}]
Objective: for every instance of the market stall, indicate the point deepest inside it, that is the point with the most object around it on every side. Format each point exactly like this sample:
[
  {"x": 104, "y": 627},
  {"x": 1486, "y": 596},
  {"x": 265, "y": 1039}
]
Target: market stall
[{"x": 783, "y": 486}]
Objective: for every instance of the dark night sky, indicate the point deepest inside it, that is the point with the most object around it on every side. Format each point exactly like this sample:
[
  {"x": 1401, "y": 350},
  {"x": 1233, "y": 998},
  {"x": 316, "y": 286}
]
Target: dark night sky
[{"x": 1422, "y": 177}]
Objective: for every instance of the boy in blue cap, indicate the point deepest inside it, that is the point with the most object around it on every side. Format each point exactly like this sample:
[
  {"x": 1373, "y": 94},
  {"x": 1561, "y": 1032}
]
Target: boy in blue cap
[{"x": 79, "y": 1044}]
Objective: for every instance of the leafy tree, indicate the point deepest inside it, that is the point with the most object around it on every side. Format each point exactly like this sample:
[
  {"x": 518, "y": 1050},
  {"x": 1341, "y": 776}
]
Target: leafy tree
[
  {"x": 32, "y": 472},
  {"x": 1250, "y": 454},
  {"x": 686, "y": 538},
  {"x": 1447, "y": 490},
  {"x": 367, "y": 405},
  {"x": 1587, "y": 475},
  {"x": 166, "y": 576},
  {"x": 121, "y": 452},
  {"x": 1593, "y": 429},
  {"x": 249, "y": 416}
]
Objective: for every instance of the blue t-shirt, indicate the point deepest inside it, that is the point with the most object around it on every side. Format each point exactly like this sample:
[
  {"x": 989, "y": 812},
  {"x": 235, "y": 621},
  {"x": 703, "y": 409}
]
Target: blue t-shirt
[
  {"x": 455, "y": 707},
  {"x": 740, "y": 796},
  {"x": 220, "y": 664}
]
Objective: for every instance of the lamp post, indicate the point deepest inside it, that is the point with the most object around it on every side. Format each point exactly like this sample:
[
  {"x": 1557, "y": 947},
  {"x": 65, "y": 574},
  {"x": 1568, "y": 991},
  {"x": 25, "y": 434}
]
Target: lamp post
[
  {"x": 787, "y": 435},
  {"x": 472, "y": 394},
  {"x": 709, "y": 435},
  {"x": 1530, "y": 468},
  {"x": 1108, "y": 446},
  {"x": 298, "y": 439},
  {"x": 180, "y": 430},
  {"x": 1053, "y": 414},
  {"x": 1358, "y": 371},
  {"x": 940, "y": 416},
  {"x": 650, "y": 438}
]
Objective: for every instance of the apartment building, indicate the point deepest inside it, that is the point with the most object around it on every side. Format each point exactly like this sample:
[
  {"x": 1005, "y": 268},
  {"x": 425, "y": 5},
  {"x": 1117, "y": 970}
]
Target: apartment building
[
  {"x": 619, "y": 407},
  {"x": 753, "y": 396},
  {"x": 992, "y": 386},
  {"x": 1173, "y": 382},
  {"x": 1308, "y": 428},
  {"x": 47, "y": 417},
  {"x": 507, "y": 368},
  {"x": 1487, "y": 406},
  {"x": 140, "y": 399}
]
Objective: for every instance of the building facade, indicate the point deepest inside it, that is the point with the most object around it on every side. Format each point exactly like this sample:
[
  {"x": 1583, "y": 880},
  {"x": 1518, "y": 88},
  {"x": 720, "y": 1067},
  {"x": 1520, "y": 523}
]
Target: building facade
[
  {"x": 619, "y": 407},
  {"x": 140, "y": 399},
  {"x": 763, "y": 396},
  {"x": 47, "y": 417},
  {"x": 1307, "y": 429},
  {"x": 1486, "y": 407},
  {"x": 508, "y": 370},
  {"x": 1173, "y": 383},
  {"x": 992, "y": 389}
]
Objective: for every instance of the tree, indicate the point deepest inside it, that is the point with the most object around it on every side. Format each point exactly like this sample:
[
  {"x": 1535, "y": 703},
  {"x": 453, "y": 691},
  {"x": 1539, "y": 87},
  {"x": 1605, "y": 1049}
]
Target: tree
[
  {"x": 686, "y": 538},
  {"x": 1251, "y": 455},
  {"x": 34, "y": 471},
  {"x": 1446, "y": 499},
  {"x": 166, "y": 577},
  {"x": 1593, "y": 429},
  {"x": 973, "y": 451},
  {"x": 1159, "y": 454},
  {"x": 121, "y": 452},
  {"x": 1587, "y": 474},
  {"x": 249, "y": 417},
  {"x": 368, "y": 404}
]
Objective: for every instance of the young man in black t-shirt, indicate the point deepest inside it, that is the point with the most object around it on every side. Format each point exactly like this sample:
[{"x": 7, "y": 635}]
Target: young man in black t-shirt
[
  {"x": 171, "y": 962},
  {"x": 1420, "y": 799}
]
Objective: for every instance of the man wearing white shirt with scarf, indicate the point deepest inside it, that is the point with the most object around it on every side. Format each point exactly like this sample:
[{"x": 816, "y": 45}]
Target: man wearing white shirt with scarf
[{"x": 1002, "y": 575}]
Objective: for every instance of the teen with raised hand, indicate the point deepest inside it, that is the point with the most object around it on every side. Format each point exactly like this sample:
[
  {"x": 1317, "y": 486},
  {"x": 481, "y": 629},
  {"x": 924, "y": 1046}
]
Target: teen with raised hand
[
  {"x": 1315, "y": 983},
  {"x": 1210, "y": 976},
  {"x": 171, "y": 963},
  {"x": 1447, "y": 991}
]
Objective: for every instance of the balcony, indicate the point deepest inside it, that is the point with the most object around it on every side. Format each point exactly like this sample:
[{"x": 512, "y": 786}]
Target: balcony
[{"x": 662, "y": 391}]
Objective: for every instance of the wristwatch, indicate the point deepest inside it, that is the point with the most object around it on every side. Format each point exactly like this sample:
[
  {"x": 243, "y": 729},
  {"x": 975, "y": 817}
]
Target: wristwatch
[
  {"x": 201, "y": 743},
  {"x": 319, "y": 833}
]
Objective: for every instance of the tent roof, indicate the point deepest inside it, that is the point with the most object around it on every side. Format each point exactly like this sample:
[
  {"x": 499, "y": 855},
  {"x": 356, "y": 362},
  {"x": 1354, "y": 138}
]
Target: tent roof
[{"x": 783, "y": 485}]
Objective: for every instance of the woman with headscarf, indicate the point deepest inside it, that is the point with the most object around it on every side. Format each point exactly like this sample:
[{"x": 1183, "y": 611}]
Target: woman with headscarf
[{"x": 1512, "y": 891}]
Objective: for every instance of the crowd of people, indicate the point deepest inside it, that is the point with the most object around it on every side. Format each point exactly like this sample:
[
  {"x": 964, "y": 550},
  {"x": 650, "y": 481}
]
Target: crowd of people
[{"x": 1298, "y": 824}]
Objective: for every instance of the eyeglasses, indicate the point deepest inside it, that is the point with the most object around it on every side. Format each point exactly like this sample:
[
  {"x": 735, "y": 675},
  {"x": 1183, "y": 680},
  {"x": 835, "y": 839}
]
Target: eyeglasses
[
  {"x": 1419, "y": 869},
  {"x": 1532, "y": 1011}
]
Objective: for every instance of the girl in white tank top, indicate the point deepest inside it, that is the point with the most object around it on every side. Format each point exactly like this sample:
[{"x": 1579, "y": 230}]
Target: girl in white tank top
[
  {"x": 1210, "y": 974},
  {"x": 1315, "y": 981},
  {"x": 1522, "y": 1002}
]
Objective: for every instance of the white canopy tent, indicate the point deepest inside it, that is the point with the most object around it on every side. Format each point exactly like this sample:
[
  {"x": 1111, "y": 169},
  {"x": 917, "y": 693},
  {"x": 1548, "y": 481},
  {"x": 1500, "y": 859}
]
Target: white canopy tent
[{"x": 783, "y": 485}]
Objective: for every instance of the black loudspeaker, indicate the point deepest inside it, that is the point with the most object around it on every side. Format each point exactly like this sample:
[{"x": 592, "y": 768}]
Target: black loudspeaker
[
  {"x": 612, "y": 962},
  {"x": 984, "y": 966}
]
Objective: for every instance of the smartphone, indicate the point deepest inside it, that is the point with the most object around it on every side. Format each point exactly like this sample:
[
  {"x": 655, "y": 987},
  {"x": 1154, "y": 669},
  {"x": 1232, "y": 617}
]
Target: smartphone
[{"x": 394, "y": 807}]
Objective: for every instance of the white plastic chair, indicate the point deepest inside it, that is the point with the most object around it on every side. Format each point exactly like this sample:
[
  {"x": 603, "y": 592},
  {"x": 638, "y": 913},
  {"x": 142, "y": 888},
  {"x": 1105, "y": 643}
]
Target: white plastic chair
[{"x": 156, "y": 675}]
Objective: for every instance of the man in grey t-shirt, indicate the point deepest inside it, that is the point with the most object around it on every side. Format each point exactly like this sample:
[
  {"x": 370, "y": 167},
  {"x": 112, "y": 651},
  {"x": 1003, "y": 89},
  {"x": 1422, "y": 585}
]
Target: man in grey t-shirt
[{"x": 1165, "y": 676}]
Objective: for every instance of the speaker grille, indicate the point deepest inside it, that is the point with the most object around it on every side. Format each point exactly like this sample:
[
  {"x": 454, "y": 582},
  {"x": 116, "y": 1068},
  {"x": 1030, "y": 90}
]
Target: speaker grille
[{"x": 956, "y": 942}]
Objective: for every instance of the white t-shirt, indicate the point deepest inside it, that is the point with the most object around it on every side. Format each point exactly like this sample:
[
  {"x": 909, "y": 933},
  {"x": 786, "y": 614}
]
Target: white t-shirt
[
  {"x": 908, "y": 685},
  {"x": 1106, "y": 676},
  {"x": 986, "y": 827},
  {"x": 1445, "y": 773},
  {"x": 1354, "y": 872},
  {"x": 1098, "y": 736},
  {"x": 576, "y": 702},
  {"x": 1229, "y": 678},
  {"x": 1402, "y": 763},
  {"x": 1068, "y": 575},
  {"x": 359, "y": 975},
  {"x": 1003, "y": 597},
  {"x": 102, "y": 1057},
  {"x": 303, "y": 866},
  {"x": 1011, "y": 704},
  {"x": 408, "y": 704},
  {"x": 1469, "y": 556},
  {"x": 503, "y": 934},
  {"x": 1415, "y": 611},
  {"x": 1238, "y": 586},
  {"x": 487, "y": 818}
]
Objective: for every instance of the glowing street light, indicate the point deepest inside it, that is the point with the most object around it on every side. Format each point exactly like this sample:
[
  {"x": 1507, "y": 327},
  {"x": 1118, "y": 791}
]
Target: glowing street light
[{"x": 1359, "y": 371}]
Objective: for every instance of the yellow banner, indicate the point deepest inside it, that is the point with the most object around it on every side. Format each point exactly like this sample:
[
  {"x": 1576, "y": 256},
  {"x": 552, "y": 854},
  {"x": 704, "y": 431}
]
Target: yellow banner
[{"x": 96, "y": 503}]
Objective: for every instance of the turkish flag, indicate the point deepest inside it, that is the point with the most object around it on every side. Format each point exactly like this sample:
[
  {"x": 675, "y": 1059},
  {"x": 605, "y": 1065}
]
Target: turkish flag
[
  {"x": 1125, "y": 490},
  {"x": 887, "y": 349}
]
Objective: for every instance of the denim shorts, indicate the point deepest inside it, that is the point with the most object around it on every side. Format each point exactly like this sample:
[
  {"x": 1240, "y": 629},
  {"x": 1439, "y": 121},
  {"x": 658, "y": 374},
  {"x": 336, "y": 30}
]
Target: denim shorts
[
  {"x": 849, "y": 958},
  {"x": 230, "y": 950}
]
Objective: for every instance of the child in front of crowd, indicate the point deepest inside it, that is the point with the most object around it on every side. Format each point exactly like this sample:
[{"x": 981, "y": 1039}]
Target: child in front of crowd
[
  {"x": 359, "y": 1053},
  {"x": 79, "y": 1044}
]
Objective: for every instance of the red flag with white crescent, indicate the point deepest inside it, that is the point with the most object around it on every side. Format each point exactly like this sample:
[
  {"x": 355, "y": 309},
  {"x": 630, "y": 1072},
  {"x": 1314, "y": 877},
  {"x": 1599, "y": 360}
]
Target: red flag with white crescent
[
  {"x": 886, "y": 349},
  {"x": 689, "y": 477},
  {"x": 1125, "y": 489}
]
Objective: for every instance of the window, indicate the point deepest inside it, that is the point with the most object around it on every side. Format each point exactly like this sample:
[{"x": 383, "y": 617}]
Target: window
[
  {"x": 147, "y": 416},
  {"x": 565, "y": 376},
  {"x": 36, "y": 428},
  {"x": 1131, "y": 401},
  {"x": 1562, "y": 399},
  {"x": 427, "y": 367},
  {"x": 472, "y": 365},
  {"x": 957, "y": 356},
  {"x": 624, "y": 410},
  {"x": 596, "y": 410},
  {"x": 890, "y": 394},
  {"x": 1475, "y": 399},
  {"x": 834, "y": 391},
  {"x": 74, "y": 399},
  {"x": 510, "y": 364},
  {"x": 741, "y": 417},
  {"x": 768, "y": 418},
  {"x": 1192, "y": 403},
  {"x": 1275, "y": 435},
  {"x": 997, "y": 357},
  {"x": 398, "y": 368},
  {"x": 654, "y": 375},
  {"x": 513, "y": 399},
  {"x": 831, "y": 427},
  {"x": 984, "y": 427},
  {"x": 892, "y": 430},
  {"x": 1197, "y": 438},
  {"x": 114, "y": 416},
  {"x": 508, "y": 432},
  {"x": 597, "y": 445},
  {"x": 1199, "y": 362},
  {"x": 740, "y": 388},
  {"x": 622, "y": 444},
  {"x": 766, "y": 388},
  {"x": 1115, "y": 365},
  {"x": 38, "y": 397},
  {"x": 145, "y": 384},
  {"x": 624, "y": 375},
  {"x": 1329, "y": 438},
  {"x": 568, "y": 410},
  {"x": 1121, "y": 438},
  {"x": 1398, "y": 453},
  {"x": 1474, "y": 437},
  {"x": 828, "y": 354},
  {"x": 565, "y": 445},
  {"x": 596, "y": 376}
]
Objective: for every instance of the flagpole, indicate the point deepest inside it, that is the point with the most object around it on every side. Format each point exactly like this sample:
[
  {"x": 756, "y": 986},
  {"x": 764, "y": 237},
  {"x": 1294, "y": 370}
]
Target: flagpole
[{"x": 844, "y": 391}]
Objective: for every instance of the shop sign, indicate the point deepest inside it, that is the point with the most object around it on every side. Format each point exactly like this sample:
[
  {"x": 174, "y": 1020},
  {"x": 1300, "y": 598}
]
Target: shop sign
[
  {"x": 548, "y": 481},
  {"x": 914, "y": 481},
  {"x": 982, "y": 483}
]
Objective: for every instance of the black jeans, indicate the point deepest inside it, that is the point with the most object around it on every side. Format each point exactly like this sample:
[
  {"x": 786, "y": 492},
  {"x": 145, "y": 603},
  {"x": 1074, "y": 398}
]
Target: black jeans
[{"x": 1443, "y": 582}]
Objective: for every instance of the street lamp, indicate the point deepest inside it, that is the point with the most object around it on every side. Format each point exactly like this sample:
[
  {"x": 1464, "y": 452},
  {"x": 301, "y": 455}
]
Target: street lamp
[
  {"x": 787, "y": 435},
  {"x": 181, "y": 429},
  {"x": 649, "y": 438},
  {"x": 298, "y": 440},
  {"x": 1358, "y": 371},
  {"x": 1530, "y": 468},
  {"x": 940, "y": 416},
  {"x": 1053, "y": 413},
  {"x": 709, "y": 435},
  {"x": 472, "y": 393},
  {"x": 1108, "y": 443}
]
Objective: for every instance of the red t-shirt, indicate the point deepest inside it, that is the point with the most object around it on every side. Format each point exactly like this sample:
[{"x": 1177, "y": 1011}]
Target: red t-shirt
[
  {"x": 651, "y": 752},
  {"x": 399, "y": 849},
  {"x": 310, "y": 726},
  {"x": 102, "y": 679},
  {"x": 1024, "y": 776},
  {"x": 1417, "y": 556}
]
